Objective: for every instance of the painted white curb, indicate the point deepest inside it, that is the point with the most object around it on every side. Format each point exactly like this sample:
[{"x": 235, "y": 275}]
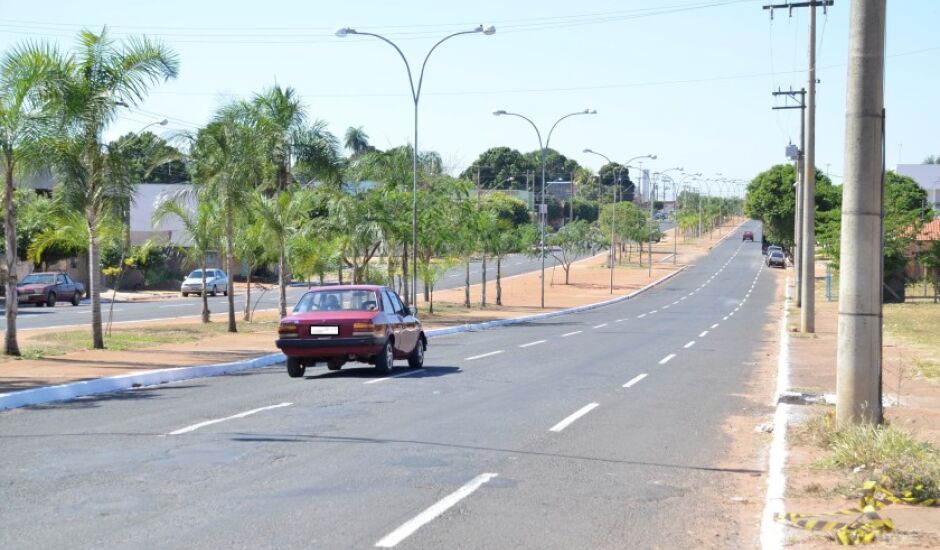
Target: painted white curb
[
  {"x": 122, "y": 382},
  {"x": 772, "y": 534}
]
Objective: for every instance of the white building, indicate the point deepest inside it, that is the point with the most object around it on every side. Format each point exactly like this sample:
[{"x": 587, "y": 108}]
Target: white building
[
  {"x": 927, "y": 177},
  {"x": 147, "y": 196}
]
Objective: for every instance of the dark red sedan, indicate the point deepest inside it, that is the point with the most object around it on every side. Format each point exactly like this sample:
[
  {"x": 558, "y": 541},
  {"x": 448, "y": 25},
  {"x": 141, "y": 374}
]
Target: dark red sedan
[
  {"x": 336, "y": 324},
  {"x": 45, "y": 289}
]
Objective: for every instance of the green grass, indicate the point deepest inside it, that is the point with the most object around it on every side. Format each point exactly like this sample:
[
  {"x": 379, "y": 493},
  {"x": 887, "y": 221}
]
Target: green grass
[
  {"x": 126, "y": 339},
  {"x": 916, "y": 324},
  {"x": 908, "y": 464}
]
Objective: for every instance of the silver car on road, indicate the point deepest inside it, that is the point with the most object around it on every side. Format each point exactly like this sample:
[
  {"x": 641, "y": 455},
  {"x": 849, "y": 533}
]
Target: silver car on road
[{"x": 216, "y": 282}]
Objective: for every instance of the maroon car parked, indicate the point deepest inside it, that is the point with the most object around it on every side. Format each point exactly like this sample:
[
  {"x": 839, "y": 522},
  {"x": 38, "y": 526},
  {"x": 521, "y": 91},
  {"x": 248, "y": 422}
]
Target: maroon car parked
[
  {"x": 337, "y": 324},
  {"x": 49, "y": 288}
]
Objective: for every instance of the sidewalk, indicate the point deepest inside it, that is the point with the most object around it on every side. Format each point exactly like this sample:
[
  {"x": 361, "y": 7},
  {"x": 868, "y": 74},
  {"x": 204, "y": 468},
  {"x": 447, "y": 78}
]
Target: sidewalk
[
  {"x": 912, "y": 404},
  {"x": 590, "y": 284}
]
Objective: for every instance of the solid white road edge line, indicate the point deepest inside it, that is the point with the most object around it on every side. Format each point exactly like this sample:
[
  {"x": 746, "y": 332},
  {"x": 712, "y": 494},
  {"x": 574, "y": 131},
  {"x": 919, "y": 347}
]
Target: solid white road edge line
[
  {"x": 578, "y": 414},
  {"x": 689, "y": 345},
  {"x": 195, "y": 427},
  {"x": 481, "y": 356},
  {"x": 409, "y": 527},
  {"x": 634, "y": 380},
  {"x": 537, "y": 342},
  {"x": 667, "y": 359},
  {"x": 772, "y": 533},
  {"x": 567, "y": 334}
]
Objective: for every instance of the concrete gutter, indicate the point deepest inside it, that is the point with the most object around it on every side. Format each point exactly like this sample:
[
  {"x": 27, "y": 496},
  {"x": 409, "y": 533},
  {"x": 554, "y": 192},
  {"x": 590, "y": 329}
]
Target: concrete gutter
[{"x": 123, "y": 382}]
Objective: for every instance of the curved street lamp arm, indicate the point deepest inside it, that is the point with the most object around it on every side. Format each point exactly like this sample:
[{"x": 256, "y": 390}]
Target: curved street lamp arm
[
  {"x": 536, "y": 128},
  {"x": 549, "y": 138},
  {"x": 417, "y": 94},
  {"x": 414, "y": 93}
]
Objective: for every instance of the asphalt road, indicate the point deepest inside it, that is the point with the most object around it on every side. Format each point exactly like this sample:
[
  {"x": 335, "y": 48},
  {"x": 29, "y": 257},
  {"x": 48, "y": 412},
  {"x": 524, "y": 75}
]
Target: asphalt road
[
  {"x": 64, "y": 314},
  {"x": 594, "y": 430}
]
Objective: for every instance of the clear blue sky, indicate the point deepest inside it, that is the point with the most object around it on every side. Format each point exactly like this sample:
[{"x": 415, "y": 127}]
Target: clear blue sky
[{"x": 691, "y": 85}]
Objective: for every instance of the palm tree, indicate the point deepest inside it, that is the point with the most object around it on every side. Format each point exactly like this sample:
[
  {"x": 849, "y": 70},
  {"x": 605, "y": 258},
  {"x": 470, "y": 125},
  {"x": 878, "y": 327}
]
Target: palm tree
[
  {"x": 280, "y": 217},
  {"x": 356, "y": 141},
  {"x": 100, "y": 77},
  {"x": 227, "y": 161},
  {"x": 280, "y": 121},
  {"x": 202, "y": 224},
  {"x": 26, "y": 75}
]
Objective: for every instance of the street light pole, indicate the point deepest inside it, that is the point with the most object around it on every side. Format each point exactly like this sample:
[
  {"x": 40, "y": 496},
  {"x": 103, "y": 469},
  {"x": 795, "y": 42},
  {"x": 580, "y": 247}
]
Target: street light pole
[
  {"x": 542, "y": 206},
  {"x": 613, "y": 209},
  {"x": 416, "y": 96}
]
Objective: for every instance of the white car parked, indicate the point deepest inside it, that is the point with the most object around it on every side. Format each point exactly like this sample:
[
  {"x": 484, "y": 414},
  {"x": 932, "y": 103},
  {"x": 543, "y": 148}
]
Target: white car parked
[{"x": 216, "y": 282}]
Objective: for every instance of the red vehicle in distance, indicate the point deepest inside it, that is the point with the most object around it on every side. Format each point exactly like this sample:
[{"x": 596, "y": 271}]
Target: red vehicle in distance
[
  {"x": 336, "y": 324},
  {"x": 748, "y": 236}
]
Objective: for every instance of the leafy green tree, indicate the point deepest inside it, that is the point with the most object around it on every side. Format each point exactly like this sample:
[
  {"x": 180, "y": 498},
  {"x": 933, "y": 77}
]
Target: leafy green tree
[
  {"x": 151, "y": 159},
  {"x": 932, "y": 159},
  {"x": 771, "y": 199},
  {"x": 557, "y": 166},
  {"x": 98, "y": 79},
  {"x": 28, "y": 74},
  {"x": 573, "y": 240},
  {"x": 356, "y": 141},
  {"x": 500, "y": 168}
]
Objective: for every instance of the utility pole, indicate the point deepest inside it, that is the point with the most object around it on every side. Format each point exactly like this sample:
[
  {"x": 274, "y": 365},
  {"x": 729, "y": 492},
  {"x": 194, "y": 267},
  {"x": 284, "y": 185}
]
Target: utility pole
[
  {"x": 800, "y": 98},
  {"x": 859, "y": 352},
  {"x": 808, "y": 199}
]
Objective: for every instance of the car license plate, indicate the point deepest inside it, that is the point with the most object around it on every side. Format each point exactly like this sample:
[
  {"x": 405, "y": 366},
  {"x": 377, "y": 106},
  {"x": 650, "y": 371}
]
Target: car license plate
[{"x": 324, "y": 331}]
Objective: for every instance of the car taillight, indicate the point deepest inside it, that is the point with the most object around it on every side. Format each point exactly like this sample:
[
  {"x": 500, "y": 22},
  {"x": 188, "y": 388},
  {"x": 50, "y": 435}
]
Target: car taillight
[
  {"x": 363, "y": 328},
  {"x": 287, "y": 329}
]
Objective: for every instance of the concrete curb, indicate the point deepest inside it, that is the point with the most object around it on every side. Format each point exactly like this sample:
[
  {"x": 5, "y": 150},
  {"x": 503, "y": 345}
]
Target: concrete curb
[{"x": 72, "y": 390}]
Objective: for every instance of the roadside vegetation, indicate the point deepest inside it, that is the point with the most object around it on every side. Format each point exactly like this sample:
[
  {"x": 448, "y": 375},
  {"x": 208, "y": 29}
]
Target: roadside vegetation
[
  {"x": 868, "y": 451},
  {"x": 273, "y": 189}
]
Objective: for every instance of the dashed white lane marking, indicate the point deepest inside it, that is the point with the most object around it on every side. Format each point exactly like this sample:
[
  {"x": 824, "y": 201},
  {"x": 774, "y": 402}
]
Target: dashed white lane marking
[
  {"x": 714, "y": 326},
  {"x": 667, "y": 359},
  {"x": 530, "y": 344},
  {"x": 195, "y": 427},
  {"x": 406, "y": 529},
  {"x": 683, "y": 298},
  {"x": 602, "y": 325},
  {"x": 689, "y": 345},
  {"x": 654, "y": 311},
  {"x": 567, "y": 334},
  {"x": 482, "y": 355},
  {"x": 675, "y": 303},
  {"x": 725, "y": 318},
  {"x": 634, "y": 380},
  {"x": 702, "y": 334},
  {"x": 574, "y": 416},
  {"x": 409, "y": 373},
  {"x": 666, "y": 306},
  {"x": 640, "y": 316}
]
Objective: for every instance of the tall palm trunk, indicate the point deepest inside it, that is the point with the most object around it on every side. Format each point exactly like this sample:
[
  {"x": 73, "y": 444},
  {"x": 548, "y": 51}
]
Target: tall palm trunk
[
  {"x": 205, "y": 292},
  {"x": 94, "y": 282},
  {"x": 230, "y": 261},
  {"x": 10, "y": 346}
]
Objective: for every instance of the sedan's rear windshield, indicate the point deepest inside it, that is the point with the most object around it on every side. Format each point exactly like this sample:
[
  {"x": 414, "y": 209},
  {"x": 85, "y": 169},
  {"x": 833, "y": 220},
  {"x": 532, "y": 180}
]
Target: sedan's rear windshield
[
  {"x": 337, "y": 300},
  {"x": 36, "y": 279}
]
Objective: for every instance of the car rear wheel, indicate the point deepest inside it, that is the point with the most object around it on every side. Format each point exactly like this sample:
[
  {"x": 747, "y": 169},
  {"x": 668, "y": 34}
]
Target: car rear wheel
[
  {"x": 335, "y": 364},
  {"x": 295, "y": 369},
  {"x": 416, "y": 357},
  {"x": 385, "y": 359},
  {"x": 76, "y": 298},
  {"x": 50, "y": 300},
  {"x": 185, "y": 295}
]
